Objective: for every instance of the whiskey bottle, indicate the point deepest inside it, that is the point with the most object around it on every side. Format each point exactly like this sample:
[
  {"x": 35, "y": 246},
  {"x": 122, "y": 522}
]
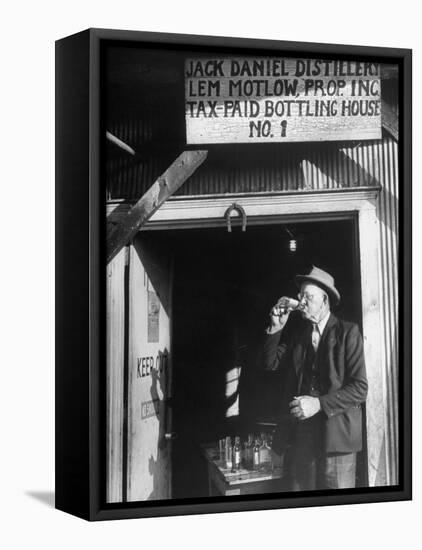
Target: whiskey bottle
[
  {"x": 264, "y": 453},
  {"x": 248, "y": 454},
  {"x": 237, "y": 454},
  {"x": 256, "y": 455},
  {"x": 228, "y": 451}
]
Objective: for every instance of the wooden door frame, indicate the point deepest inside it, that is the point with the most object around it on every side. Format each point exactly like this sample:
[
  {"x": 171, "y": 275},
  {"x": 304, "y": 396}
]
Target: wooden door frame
[{"x": 362, "y": 204}]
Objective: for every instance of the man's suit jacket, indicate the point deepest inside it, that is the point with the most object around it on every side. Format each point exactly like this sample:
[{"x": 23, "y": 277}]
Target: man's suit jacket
[{"x": 343, "y": 383}]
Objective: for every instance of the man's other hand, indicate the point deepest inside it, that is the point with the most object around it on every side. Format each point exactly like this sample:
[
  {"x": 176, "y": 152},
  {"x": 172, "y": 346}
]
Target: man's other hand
[{"x": 304, "y": 406}]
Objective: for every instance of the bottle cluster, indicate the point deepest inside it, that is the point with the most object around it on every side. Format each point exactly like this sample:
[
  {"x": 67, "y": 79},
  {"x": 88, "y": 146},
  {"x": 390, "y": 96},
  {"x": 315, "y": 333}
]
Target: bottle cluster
[{"x": 252, "y": 453}]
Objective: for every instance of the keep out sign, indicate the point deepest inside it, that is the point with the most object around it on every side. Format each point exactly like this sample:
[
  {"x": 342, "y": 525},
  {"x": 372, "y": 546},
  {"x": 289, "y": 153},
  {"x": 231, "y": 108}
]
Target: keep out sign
[{"x": 150, "y": 365}]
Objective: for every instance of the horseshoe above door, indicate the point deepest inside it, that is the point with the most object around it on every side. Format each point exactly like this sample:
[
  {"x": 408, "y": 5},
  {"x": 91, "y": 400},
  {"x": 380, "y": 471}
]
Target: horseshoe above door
[{"x": 241, "y": 211}]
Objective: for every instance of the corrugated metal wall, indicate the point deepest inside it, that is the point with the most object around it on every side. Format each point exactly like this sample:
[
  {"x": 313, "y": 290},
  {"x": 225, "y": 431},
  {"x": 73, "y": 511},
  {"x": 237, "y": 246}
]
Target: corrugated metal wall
[
  {"x": 388, "y": 216},
  {"x": 251, "y": 169}
]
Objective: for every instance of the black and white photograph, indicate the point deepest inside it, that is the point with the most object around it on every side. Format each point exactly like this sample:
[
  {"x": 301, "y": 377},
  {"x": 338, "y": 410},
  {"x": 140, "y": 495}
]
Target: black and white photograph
[
  {"x": 252, "y": 209},
  {"x": 210, "y": 275}
]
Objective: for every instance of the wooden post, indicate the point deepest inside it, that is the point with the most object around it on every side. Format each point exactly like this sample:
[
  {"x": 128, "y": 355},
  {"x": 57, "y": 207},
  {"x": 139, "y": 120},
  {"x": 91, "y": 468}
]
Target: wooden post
[{"x": 167, "y": 184}]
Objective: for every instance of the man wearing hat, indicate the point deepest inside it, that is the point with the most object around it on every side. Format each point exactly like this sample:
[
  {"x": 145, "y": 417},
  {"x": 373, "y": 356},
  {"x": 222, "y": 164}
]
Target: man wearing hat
[{"x": 324, "y": 384}]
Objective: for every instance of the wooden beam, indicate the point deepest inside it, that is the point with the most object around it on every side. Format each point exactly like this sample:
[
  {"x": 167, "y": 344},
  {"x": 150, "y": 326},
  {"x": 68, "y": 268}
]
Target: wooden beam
[
  {"x": 120, "y": 143},
  {"x": 167, "y": 184}
]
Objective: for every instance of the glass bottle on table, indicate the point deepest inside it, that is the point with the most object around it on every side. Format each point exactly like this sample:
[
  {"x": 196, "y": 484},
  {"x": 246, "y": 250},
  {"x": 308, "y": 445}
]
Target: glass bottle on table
[
  {"x": 264, "y": 453},
  {"x": 270, "y": 439},
  {"x": 276, "y": 458},
  {"x": 222, "y": 449},
  {"x": 237, "y": 454},
  {"x": 248, "y": 455},
  {"x": 228, "y": 453},
  {"x": 255, "y": 454}
]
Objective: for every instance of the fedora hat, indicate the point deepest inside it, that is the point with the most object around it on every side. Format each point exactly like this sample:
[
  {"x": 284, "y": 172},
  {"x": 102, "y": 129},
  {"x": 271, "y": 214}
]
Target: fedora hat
[{"x": 322, "y": 279}]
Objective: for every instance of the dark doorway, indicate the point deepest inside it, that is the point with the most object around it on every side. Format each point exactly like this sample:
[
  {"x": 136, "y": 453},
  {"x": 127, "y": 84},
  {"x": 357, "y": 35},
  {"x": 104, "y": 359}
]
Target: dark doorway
[{"x": 224, "y": 287}]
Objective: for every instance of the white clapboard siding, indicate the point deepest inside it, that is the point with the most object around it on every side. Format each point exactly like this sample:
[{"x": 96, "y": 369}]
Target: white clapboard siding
[{"x": 115, "y": 364}]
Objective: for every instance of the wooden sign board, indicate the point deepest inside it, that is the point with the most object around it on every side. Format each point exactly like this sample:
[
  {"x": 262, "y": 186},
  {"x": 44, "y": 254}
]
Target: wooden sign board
[{"x": 272, "y": 99}]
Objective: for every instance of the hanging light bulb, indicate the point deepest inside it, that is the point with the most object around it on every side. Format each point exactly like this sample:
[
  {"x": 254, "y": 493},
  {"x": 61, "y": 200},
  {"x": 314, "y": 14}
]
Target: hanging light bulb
[{"x": 292, "y": 241}]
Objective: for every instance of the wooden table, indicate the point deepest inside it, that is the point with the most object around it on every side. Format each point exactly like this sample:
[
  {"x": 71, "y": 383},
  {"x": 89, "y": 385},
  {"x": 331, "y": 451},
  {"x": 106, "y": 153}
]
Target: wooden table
[{"x": 222, "y": 481}]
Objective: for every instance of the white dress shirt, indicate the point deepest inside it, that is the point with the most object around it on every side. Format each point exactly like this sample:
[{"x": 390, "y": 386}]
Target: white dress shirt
[{"x": 317, "y": 330}]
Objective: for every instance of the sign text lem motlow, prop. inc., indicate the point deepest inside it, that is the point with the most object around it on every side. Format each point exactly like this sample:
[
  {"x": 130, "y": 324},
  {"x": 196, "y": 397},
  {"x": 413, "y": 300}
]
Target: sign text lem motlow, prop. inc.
[{"x": 252, "y": 100}]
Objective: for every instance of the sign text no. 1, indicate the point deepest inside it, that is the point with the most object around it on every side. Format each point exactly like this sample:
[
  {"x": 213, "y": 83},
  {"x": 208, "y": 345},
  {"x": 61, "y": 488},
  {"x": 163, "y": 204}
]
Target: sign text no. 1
[{"x": 250, "y": 100}]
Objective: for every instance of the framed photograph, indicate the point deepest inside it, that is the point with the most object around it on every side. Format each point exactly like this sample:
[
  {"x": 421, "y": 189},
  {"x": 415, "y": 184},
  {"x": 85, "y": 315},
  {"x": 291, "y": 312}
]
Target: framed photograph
[{"x": 233, "y": 274}]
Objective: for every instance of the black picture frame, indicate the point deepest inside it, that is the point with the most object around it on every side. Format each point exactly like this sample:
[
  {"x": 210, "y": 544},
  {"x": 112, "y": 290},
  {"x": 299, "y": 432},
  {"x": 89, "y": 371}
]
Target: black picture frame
[{"x": 80, "y": 284}]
